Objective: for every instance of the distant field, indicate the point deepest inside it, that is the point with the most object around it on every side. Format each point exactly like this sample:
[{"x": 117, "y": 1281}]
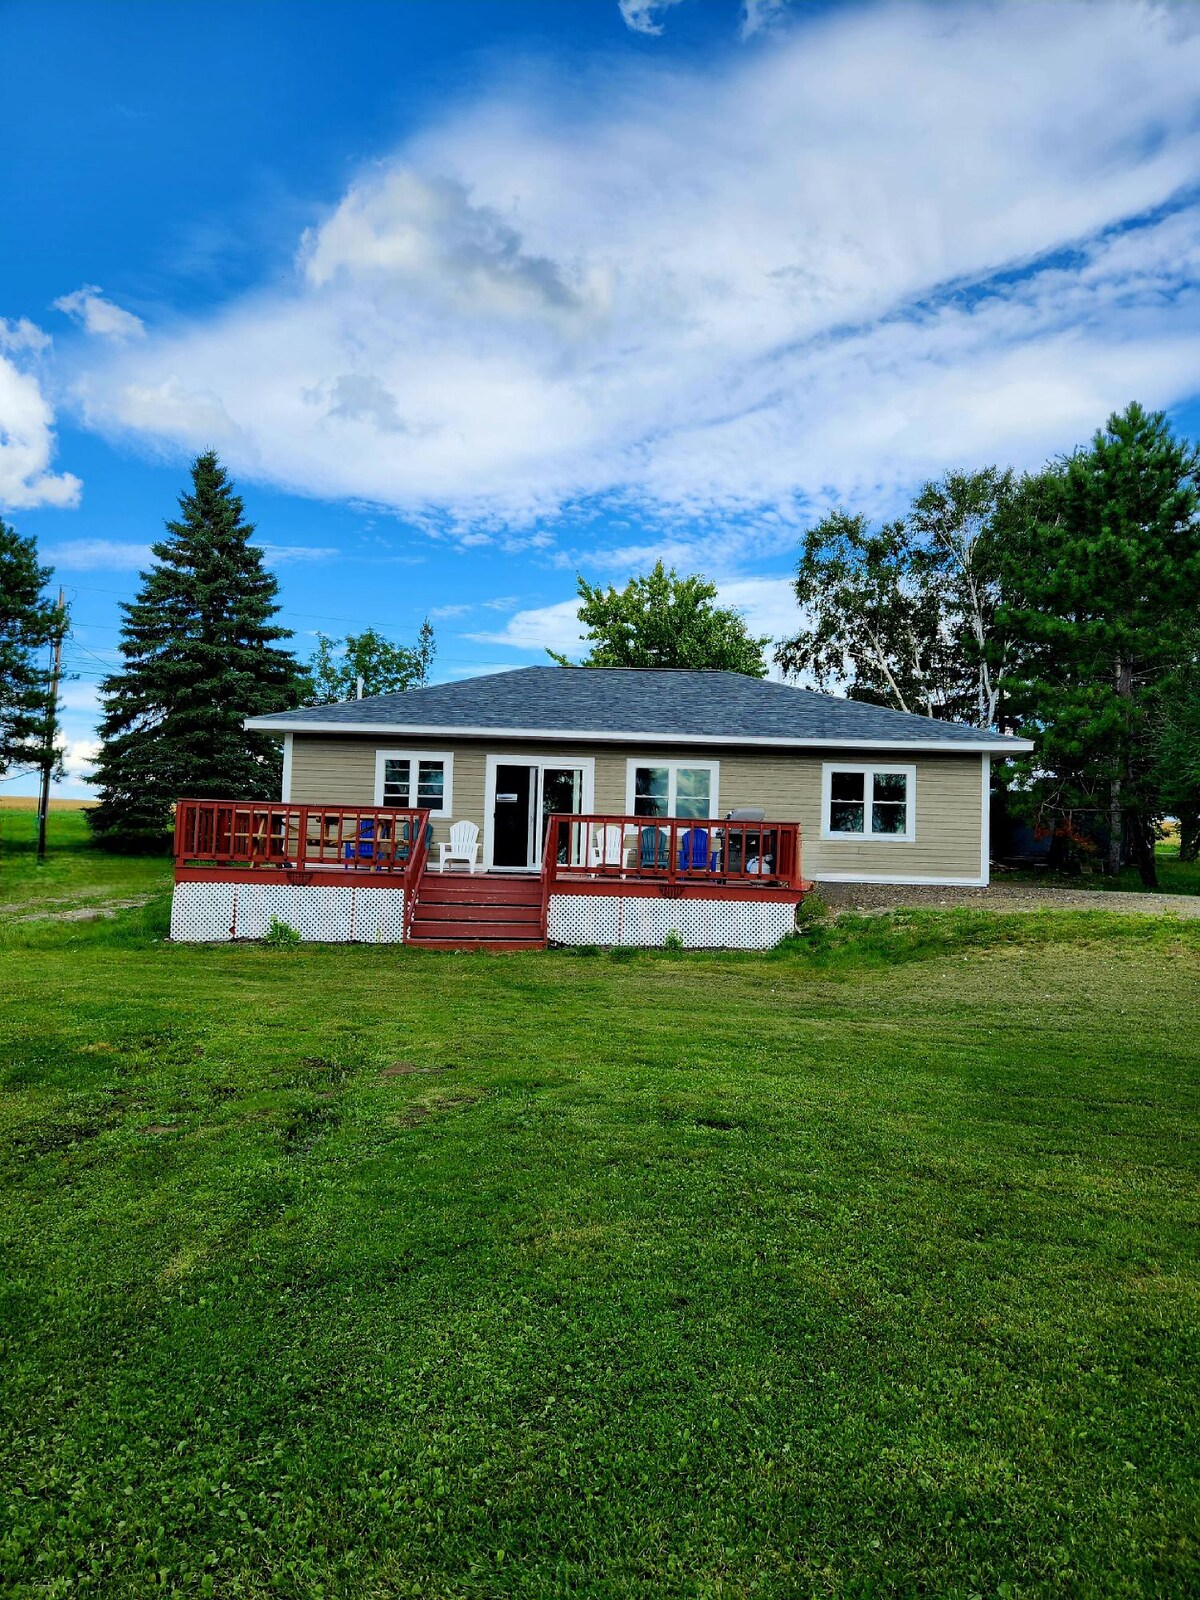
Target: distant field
[{"x": 868, "y": 1268}]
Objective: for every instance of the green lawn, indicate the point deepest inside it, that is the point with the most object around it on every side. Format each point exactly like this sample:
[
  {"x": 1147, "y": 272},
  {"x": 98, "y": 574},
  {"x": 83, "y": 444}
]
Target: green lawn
[
  {"x": 74, "y": 874},
  {"x": 865, "y": 1269}
]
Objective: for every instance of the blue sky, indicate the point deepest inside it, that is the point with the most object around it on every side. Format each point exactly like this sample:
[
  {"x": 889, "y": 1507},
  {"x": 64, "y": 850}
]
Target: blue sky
[{"x": 473, "y": 296}]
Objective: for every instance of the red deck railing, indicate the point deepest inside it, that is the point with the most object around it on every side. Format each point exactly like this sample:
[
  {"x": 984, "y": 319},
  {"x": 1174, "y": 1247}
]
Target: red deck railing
[
  {"x": 254, "y": 834},
  {"x": 671, "y": 851}
]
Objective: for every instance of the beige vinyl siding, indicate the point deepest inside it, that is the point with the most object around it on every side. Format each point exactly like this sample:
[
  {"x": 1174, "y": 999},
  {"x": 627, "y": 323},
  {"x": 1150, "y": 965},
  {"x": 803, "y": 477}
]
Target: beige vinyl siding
[{"x": 341, "y": 771}]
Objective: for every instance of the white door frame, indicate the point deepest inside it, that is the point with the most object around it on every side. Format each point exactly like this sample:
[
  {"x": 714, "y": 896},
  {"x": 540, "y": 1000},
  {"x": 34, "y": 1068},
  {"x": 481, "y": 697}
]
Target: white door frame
[{"x": 530, "y": 758}]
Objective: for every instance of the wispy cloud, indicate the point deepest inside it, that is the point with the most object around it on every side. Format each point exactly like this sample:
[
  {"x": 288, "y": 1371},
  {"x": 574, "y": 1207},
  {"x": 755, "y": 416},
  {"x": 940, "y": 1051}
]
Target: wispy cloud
[
  {"x": 98, "y": 316},
  {"x": 645, "y": 16},
  {"x": 889, "y": 240},
  {"x": 767, "y": 604},
  {"x": 89, "y": 555},
  {"x": 282, "y": 554}
]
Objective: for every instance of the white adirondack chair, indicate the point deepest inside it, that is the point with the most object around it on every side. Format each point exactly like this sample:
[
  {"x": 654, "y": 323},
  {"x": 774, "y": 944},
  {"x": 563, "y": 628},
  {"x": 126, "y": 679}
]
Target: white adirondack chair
[
  {"x": 463, "y": 846},
  {"x": 608, "y": 851}
]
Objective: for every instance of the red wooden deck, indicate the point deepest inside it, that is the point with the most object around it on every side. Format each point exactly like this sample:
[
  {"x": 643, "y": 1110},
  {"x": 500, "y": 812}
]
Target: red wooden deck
[{"x": 632, "y": 858}]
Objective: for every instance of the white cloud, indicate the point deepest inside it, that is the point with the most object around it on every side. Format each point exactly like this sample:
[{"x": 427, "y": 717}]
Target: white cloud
[
  {"x": 542, "y": 628},
  {"x": 894, "y": 240},
  {"x": 78, "y": 758},
  {"x": 23, "y": 335},
  {"x": 99, "y": 316},
  {"x": 644, "y": 16},
  {"x": 90, "y": 555},
  {"x": 759, "y": 15},
  {"x": 27, "y": 426}
]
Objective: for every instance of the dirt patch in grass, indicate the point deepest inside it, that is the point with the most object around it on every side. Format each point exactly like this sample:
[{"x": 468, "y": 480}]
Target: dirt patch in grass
[
  {"x": 436, "y": 1105},
  {"x": 405, "y": 1069},
  {"x": 865, "y": 898}
]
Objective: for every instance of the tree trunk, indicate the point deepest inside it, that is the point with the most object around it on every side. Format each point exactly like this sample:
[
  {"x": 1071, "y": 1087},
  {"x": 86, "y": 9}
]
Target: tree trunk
[
  {"x": 1144, "y": 831},
  {"x": 1189, "y": 838},
  {"x": 1113, "y": 864}
]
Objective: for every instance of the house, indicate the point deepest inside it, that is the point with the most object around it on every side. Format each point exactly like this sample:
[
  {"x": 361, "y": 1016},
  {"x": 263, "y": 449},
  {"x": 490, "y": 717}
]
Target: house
[{"x": 586, "y": 785}]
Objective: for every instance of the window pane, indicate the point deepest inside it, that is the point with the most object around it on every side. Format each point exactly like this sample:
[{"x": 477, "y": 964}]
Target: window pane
[
  {"x": 846, "y": 817},
  {"x": 891, "y": 786},
  {"x": 888, "y": 817},
  {"x": 395, "y": 783},
  {"x": 847, "y": 786},
  {"x": 431, "y": 782},
  {"x": 693, "y": 791},
  {"x": 650, "y": 790}
]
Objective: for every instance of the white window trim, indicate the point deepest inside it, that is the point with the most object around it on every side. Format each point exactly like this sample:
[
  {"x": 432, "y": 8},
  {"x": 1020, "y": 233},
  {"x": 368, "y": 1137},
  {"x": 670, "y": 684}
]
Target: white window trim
[
  {"x": 446, "y": 757},
  {"x": 285, "y": 787},
  {"x": 868, "y": 769},
  {"x": 713, "y": 768}
]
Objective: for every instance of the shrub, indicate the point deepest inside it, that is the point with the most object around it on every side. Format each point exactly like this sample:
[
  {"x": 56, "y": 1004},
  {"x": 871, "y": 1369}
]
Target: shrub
[
  {"x": 673, "y": 941},
  {"x": 281, "y": 936}
]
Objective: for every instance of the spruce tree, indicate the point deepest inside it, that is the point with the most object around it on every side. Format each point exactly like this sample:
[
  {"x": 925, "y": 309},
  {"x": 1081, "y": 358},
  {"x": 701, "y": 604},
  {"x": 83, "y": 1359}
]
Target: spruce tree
[
  {"x": 201, "y": 652},
  {"x": 28, "y": 620},
  {"x": 1100, "y": 579}
]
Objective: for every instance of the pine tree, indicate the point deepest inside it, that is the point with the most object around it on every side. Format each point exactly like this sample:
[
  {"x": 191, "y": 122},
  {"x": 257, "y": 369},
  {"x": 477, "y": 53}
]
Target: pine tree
[
  {"x": 201, "y": 652},
  {"x": 28, "y": 620},
  {"x": 1100, "y": 578}
]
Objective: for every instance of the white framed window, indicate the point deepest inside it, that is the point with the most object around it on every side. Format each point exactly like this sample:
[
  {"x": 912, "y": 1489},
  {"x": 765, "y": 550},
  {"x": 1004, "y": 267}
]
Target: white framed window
[
  {"x": 420, "y": 779},
  {"x": 671, "y": 788},
  {"x": 876, "y": 801}
]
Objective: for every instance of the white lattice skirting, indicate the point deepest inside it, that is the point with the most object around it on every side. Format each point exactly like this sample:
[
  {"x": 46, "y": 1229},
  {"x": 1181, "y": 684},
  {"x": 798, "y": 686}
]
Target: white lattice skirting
[
  {"x": 701, "y": 924},
  {"x": 207, "y": 912}
]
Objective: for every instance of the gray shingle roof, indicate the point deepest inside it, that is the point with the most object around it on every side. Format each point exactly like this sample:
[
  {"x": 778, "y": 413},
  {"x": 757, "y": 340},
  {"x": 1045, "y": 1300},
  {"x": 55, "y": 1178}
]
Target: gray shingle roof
[{"x": 611, "y": 701}]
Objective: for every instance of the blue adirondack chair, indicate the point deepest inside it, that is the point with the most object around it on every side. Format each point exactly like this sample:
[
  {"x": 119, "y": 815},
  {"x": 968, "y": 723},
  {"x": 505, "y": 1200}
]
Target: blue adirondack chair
[
  {"x": 364, "y": 848},
  {"x": 653, "y": 847},
  {"x": 695, "y": 852},
  {"x": 403, "y": 841}
]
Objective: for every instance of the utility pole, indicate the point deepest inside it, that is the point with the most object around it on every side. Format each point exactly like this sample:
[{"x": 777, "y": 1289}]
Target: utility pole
[{"x": 51, "y": 729}]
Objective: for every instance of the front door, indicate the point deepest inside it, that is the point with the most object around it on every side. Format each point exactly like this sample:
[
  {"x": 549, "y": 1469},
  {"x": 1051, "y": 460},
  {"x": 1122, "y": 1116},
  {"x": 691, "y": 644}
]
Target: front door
[
  {"x": 512, "y": 837},
  {"x": 527, "y": 795}
]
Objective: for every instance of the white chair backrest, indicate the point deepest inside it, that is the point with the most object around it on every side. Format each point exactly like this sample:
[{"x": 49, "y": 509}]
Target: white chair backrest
[
  {"x": 608, "y": 850},
  {"x": 464, "y": 836}
]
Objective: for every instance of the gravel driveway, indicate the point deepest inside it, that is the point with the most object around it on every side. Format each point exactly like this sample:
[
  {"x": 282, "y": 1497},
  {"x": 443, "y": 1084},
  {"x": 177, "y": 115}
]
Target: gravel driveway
[{"x": 842, "y": 897}]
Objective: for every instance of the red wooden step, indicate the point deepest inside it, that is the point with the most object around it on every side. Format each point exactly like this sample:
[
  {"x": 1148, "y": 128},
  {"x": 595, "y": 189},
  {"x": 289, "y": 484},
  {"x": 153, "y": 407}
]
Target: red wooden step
[
  {"x": 443, "y": 895},
  {"x": 456, "y": 928},
  {"x": 492, "y": 946},
  {"x": 466, "y": 911}
]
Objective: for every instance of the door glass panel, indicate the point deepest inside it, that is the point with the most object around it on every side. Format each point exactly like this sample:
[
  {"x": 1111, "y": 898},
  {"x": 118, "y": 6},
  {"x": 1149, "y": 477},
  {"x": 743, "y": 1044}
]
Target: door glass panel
[
  {"x": 651, "y": 791},
  {"x": 562, "y": 790},
  {"x": 693, "y": 792}
]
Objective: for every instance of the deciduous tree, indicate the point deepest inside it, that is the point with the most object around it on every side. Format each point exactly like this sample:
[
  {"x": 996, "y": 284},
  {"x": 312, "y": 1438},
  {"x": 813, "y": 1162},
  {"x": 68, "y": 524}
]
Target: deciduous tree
[
  {"x": 337, "y": 665},
  {"x": 904, "y": 615},
  {"x": 662, "y": 620}
]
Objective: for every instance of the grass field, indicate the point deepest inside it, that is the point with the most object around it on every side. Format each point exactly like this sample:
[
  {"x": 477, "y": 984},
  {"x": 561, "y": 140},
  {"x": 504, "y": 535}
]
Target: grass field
[
  {"x": 868, "y": 1268},
  {"x": 74, "y": 874}
]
